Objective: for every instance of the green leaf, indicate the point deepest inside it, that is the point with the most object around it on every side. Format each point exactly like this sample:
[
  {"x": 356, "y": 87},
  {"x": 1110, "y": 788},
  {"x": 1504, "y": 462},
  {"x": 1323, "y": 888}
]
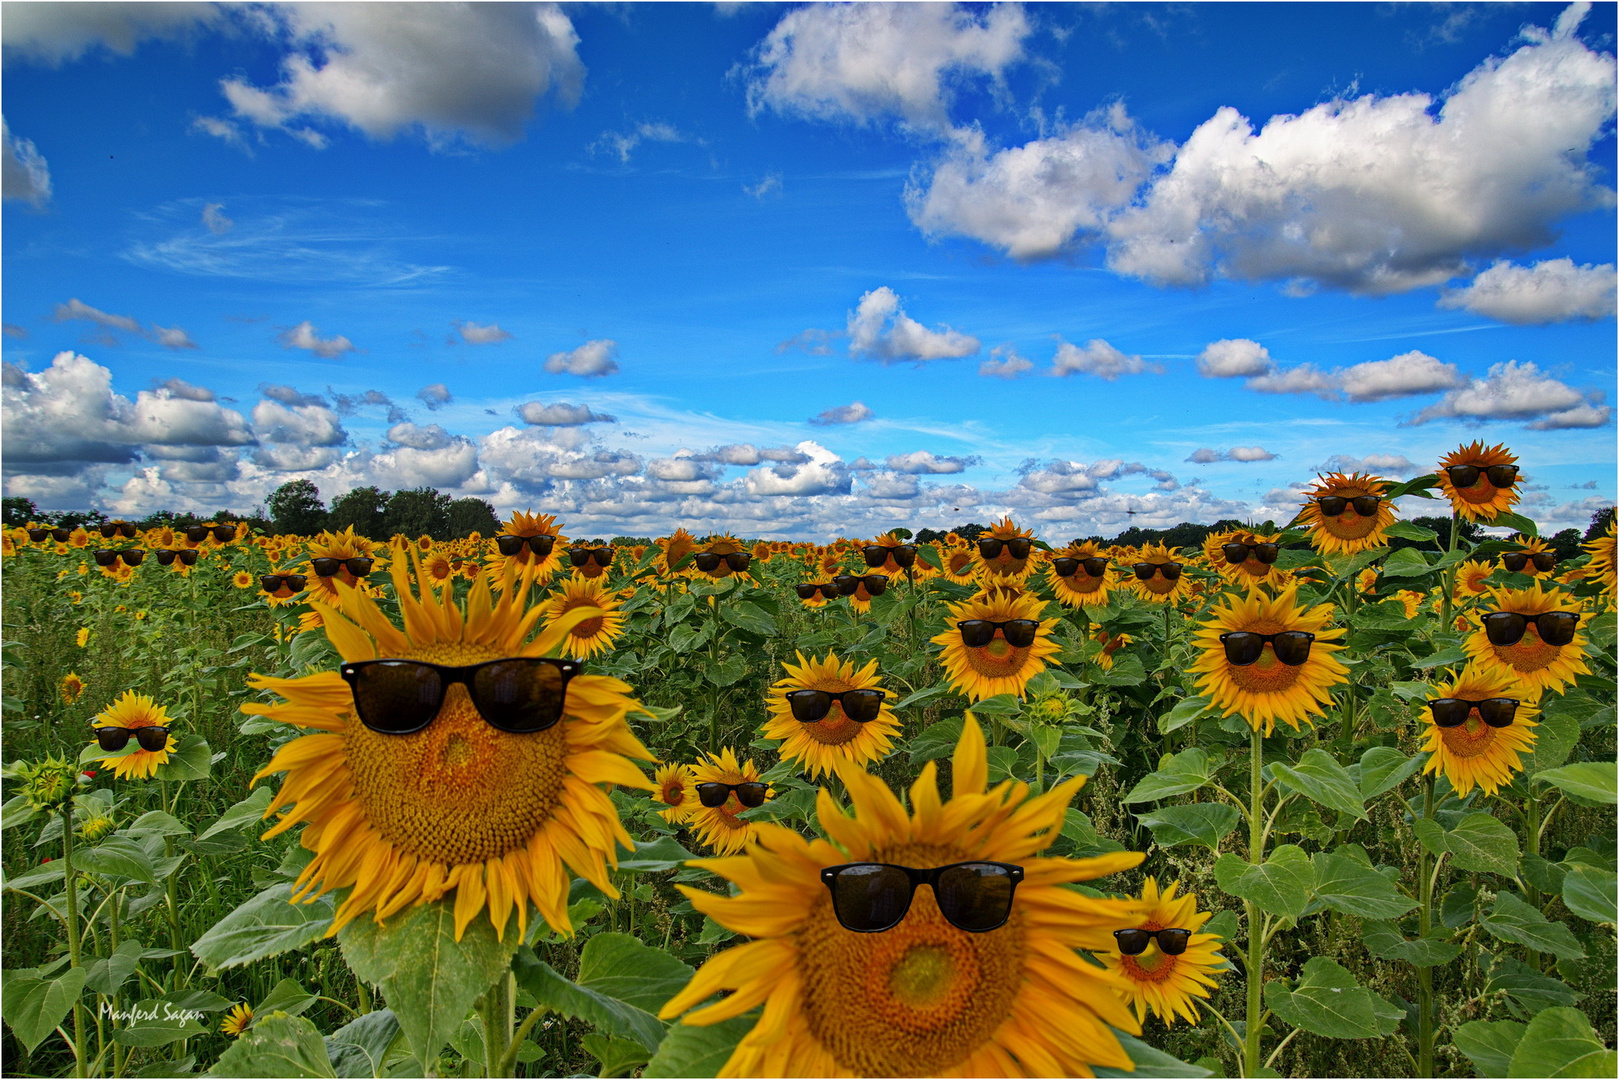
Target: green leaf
[
  {"x": 1589, "y": 893},
  {"x": 32, "y": 1006},
  {"x": 1280, "y": 886},
  {"x": 1384, "y": 941},
  {"x": 1321, "y": 779},
  {"x": 1193, "y": 823},
  {"x": 1383, "y": 768},
  {"x": 286, "y": 996},
  {"x": 191, "y": 759},
  {"x": 1560, "y": 1042},
  {"x": 1406, "y": 530},
  {"x": 278, "y": 1046},
  {"x": 1556, "y": 735},
  {"x": 158, "y": 1023},
  {"x": 1446, "y": 657},
  {"x": 1327, "y": 1001},
  {"x": 1348, "y": 885},
  {"x": 1126, "y": 671},
  {"x": 1527, "y": 987},
  {"x": 1593, "y": 780},
  {"x": 659, "y": 855},
  {"x": 937, "y": 740},
  {"x": 622, "y": 984},
  {"x": 106, "y": 974},
  {"x": 1176, "y": 775},
  {"x": 1516, "y": 921},
  {"x": 266, "y": 925},
  {"x": 250, "y": 809},
  {"x": 1150, "y": 1061},
  {"x": 1489, "y": 1044},
  {"x": 1388, "y": 615},
  {"x": 158, "y": 822},
  {"x": 429, "y": 979},
  {"x": 728, "y": 672},
  {"x": 1483, "y": 843},
  {"x": 1405, "y": 563},
  {"x": 358, "y": 1048},
  {"x": 689, "y": 1050},
  {"x": 117, "y": 857},
  {"x": 617, "y": 1056},
  {"x": 749, "y": 617},
  {"x": 926, "y": 694},
  {"x": 1185, "y": 711},
  {"x": 1515, "y": 522}
]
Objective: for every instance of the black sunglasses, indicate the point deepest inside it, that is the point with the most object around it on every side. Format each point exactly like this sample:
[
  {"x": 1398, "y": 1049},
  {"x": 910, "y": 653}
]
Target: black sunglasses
[
  {"x": 539, "y": 544},
  {"x": 869, "y": 898},
  {"x": 1465, "y": 476},
  {"x": 1292, "y": 647},
  {"x": 61, "y": 536},
  {"x": 849, "y": 584},
  {"x": 1066, "y": 567},
  {"x": 1237, "y": 553},
  {"x": 359, "y": 566},
  {"x": 1333, "y": 505},
  {"x": 188, "y": 556},
  {"x": 1145, "y": 570},
  {"x": 114, "y": 739},
  {"x": 1453, "y": 712},
  {"x": 904, "y": 555},
  {"x": 107, "y": 556},
  {"x": 709, "y": 561},
  {"x": 808, "y": 589},
  {"x": 603, "y": 556},
  {"x": 521, "y": 694},
  {"x": 711, "y": 793},
  {"x": 1171, "y": 940},
  {"x": 976, "y": 633},
  {"x": 811, "y": 706},
  {"x": 272, "y": 583},
  {"x": 223, "y": 533},
  {"x": 1515, "y": 560},
  {"x": 112, "y": 529},
  {"x": 1017, "y": 547},
  {"x": 1508, "y": 627}
]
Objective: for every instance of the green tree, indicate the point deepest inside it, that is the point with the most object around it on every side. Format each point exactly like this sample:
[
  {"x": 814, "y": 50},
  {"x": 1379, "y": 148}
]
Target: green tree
[
  {"x": 468, "y": 516},
  {"x": 295, "y": 507},
  {"x": 19, "y": 511},
  {"x": 1599, "y": 523},
  {"x": 415, "y": 511},
  {"x": 1566, "y": 544},
  {"x": 362, "y": 508}
]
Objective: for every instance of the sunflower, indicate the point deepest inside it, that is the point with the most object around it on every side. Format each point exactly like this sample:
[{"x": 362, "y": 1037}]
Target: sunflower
[
  {"x": 762, "y": 551},
  {"x": 676, "y": 546},
  {"x": 498, "y": 818},
  {"x": 78, "y": 538},
  {"x": 1475, "y": 754},
  {"x": 827, "y": 744},
  {"x": 960, "y": 563},
  {"x": 8, "y": 544},
  {"x": 924, "y": 998},
  {"x": 82, "y": 637},
  {"x": 673, "y": 788},
  {"x": 1530, "y": 661},
  {"x": 134, "y": 710},
  {"x": 440, "y": 570},
  {"x": 1483, "y": 501},
  {"x": 718, "y": 826},
  {"x": 890, "y": 541},
  {"x": 595, "y": 634},
  {"x": 1532, "y": 545},
  {"x": 860, "y": 599},
  {"x": 533, "y": 568},
  {"x": 1003, "y": 564},
  {"x": 1471, "y": 576},
  {"x": 344, "y": 545},
  {"x": 721, "y": 544},
  {"x": 1250, "y": 571},
  {"x": 1158, "y": 589},
  {"x": 1366, "y": 580},
  {"x": 237, "y": 1020},
  {"x": 1080, "y": 589},
  {"x": 1111, "y": 643},
  {"x": 1348, "y": 532},
  {"x": 1268, "y": 690},
  {"x": 242, "y": 579},
  {"x": 1158, "y": 982},
  {"x": 71, "y": 688},
  {"x": 1411, "y": 600},
  {"x": 999, "y": 667},
  {"x": 1601, "y": 568}
]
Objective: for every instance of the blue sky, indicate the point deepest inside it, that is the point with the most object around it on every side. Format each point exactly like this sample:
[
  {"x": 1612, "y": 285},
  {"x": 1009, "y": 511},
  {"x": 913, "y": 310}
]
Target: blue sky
[{"x": 806, "y": 271}]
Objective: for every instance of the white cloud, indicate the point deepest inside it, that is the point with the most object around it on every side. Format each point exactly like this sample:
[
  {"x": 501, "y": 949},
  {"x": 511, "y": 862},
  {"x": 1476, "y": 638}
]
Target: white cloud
[
  {"x": 1519, "y": 391},
  {"x": 435, "y": 396},
  {"x": 1097, "y": 357},
  {"x": 1304, "y": 379},
  {"x": 768, "y": 185},
  {"x": 214, "y": 219},
  {"x": 823, "y": 474},
  {"x": 76, "y": 309},
  {"x": 1232, "y": 358},
  {"x": 181, "y": 389},
  {"x": 306, "y": 335},
  {"x": 864, "y": 63},
  {"x": 853, "y": 413},
  {"x": 1591, "y": 414},
  {"x": 880, "y": 329},
  {"x": 473, "y": 334},
  {"x": 812, "y": 341},
  {"x": 922, "y": 462},
  {"x": 748, "y": 454},
  {"x": 1058, "y": 478},
  {"x": 561, "y": 414},
  {"x": 623, "y": 143},
  {"x": 1205, "y": 455},
  {"x": 54, "y": 33},
  {"x": 24, "y": 174},
  {"x": 1376, "y": 464},
  {"x": 1404, "y": 375},
  {"x": 456, "y": 71},
  {"x": 593, "y": 358},
  {"x": 447, "y": 463},
  {"x": 1552, "y": 290},
  {"x": 172, "y": 337},
  {"x": 431, "y": 437},
  {"x": 1005, "y": 363},
  {"x": 1400, "y": 376}
]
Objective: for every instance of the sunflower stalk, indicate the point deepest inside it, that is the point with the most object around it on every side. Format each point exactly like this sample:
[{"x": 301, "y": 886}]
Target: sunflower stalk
[
  {"x": 1425, "y": 1002},
  {"x": 1256, "y": 938},
  {"x": 70, "y": 879},
  {"x": 495, "y": 1008}
]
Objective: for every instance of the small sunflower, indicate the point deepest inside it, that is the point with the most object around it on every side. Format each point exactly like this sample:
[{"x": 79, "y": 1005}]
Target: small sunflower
[
  {"x": 344, "y": 545},
  {"x": 1482, "y": 501},
  {"x": 1366, "y": 580},
  {"x": 1531, "y": 546},
  {"x": 960, "y": 563},
  {"x": 1251, "y": 571},
  {"x": 676, "y": 546},
  {"x": 1111, "y": 643},
  {"x": 1603, "y": 562},
  {"x": 440, "y": 570},
  {"x": 1471, "y": 576},
  {"x": 718, "y": 826},
  {"x": 1080, "y": 588},
  {"x": 71, "y": 688},
  {"x": 672, "y": 786},
  {"x": 237, "y": 1020},
  {"x": 833, "y": 741},
  {"x": 533, "y": 568},
  {"x": 1348, "y": 532},
  {"x": 763, "y": 551},
  {"x": 893, "y": 569},
  {"x": 1475, "y": 754},
  {"x": 924, "y": 998},
  {"x": 1158, "y": 589},
  {"x": 133, "y": 710},
  {"x": 82, "y": 638},
  {"x": 1158, "y": 982},
  {"x": 242, "y": 579},
  {"x": 498, "y": 818},
  {"x": 598, "y": 633},
  {"x": 999, "y": 667},
  {"x": 1531, "y": 661},
  {"x": 1004, "y": 564},
  {"x": 1268, "y": 690},
  {"x": 721, "y": 544},
  {"x": 1411, "y": 600}
]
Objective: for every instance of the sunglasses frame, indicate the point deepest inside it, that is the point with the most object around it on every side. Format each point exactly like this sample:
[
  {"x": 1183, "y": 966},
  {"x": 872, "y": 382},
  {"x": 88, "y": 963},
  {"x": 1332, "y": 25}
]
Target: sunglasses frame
[
  {"x": 928, "y": 877},
  {"x": 1471, "y": 705},
  {"x": 1098, "y": 560},
  {"x": 1002, "y": 627},
  {"x": 123, "y": 527},
  {"x": 1574, "y": 627},
  {"x": 1181, "y": 937},
  {"x": 985, "y": 544},
  {"x": 1258, "y": 551},
  {"x": 161, "y": 730},
  {"x": 342, "y": 564},
  {"x": 115, "y": 554},
  {"x": 449, "y": 675},
  {"x": 796, "y": 696},
  {"x": 731, "y": 559},
  {"x": 61, "y": 536},
  {"x": 503, "y": 541},
  {"x": 287, "y": 580},
  {"x": 904, "y": 555},
  {"x": 1492, "y": 473},
  {"x": 1265, "y": 639},
  {"x": 581, "y": 555},
  {"x": 828, "y": 589},
  {"x": 1155, "y": 568},
  {"x": 1357, "y": 501},
  {"x": 762, "y": 787},
  {"x": 1544, "y": 561},
  {"x": 188, "y": 556}
]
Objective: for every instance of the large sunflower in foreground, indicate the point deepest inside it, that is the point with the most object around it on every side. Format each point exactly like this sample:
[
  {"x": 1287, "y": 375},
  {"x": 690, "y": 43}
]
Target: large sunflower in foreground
[
  {"x": 498, "y": 818},
  {"x": 1474, "y": 754},
  {"x": 719, "y": 826},
  {"x": 999, "y": 667},
  {"x": 1348, "y": 532},
  {"x": 1532, "y": 662},
  {"x": 1081, "y": 588},
  {"x": 1481, "y": 500},
  {"x": 834, "y": 740},
  {"x": 597, "y": 633},
  {"x": 1268, "y": 690},
  {"x": 1157, "y": 589},
  {"x": 132, "y": 710},
  {"x": 1159, "y": 982},
  {"x": 924, "y": 998}
]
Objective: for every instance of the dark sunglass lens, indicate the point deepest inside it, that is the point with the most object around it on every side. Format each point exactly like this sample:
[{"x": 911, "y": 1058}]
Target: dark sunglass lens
[
  {"x": 905, "y": 556},
  {"x": 862, "y": 706},
  {"x": 876, "y": 584},
  {"x": 1132, "y": 942},
  {"x": 61, "y": 536},
  {"x": 846, "y": 583},
  {"x": 1293, "y": 647},
  {"x": 1449, "y": 712},
  {"x": 1266, "y": 553},
  {"x": 1367, "y": 505},
  {"x": 296, "y": 582},
  {"x": 1242, "y": 648},
  {"x": 1332, "y": 505},
  {"x": 1145, "y": 571},
  {"x": 519, "y": 695},
  {"x": 133, "y": 557},
  {"x": 36, "y": 535},
  {"x": 271, "y": 582},
  {"x": 1498, "y": 712},
  {"x": 1502, "y": 475},
  {"x": 396, "y": 697},
  {"x": 976, "y": 633},
  {"x": 738, "y": 560},
  {"x": 579, "y": 556},
  {"x": 326, "y": 567},
  {"x": 1514, "y": 561},
  {"x": 1544, "y": 560},
  {"x": 1235, "y": 553},
  {"x": 1172, "y": 571},
  {"x": 751, "y": 793},
  {"x": 706, "y": 561},
  {"x": 1020, "y": 632},
  {"x": 360, "y": 567},
  {"x": 990, "y": 548},
  {"x": 975, "y": 896},
  {"x": 127, "y": 530},
  {"x": 109, "y": 531},
  {"x": 809, "y": 706},
  {"x": 603, "y": 556},
  {"x": 1463, "y": 476},
  {"x": 104, "y": 557},
  {"x": 868, "y": 897},
  {"x": 1095, "y": 567},
  {"x": 806, "y": 591},
  {"x": 1065, "y": 567},
  {"x": 541, "y": 545},
  {"x": 197, "y": 533},
  {"x": 112, "y": 739},
  {"x": 1557, "y": 627},
  {"x": 225, "y": 533},
  {"x": 152, "y": 739},
  {"x": 166, "y": 556},
  {"x": 189, "y": 556},
  {"x": 1173, "y": 941},
  {"x": 1504, "y": 627},
  {"x": 710, "y": 794},
  {"x": 1019, "y": 548},
  {"x": 874, "y": 556},
  {"x": 508, "y": 545}
]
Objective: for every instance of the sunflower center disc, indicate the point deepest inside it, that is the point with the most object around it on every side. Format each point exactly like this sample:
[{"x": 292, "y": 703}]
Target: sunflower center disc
[
  {"x": 1468, "y": 740},
  {"x": 1529, "y": 654},
  {"x": 1349, "y": 525},
  {"x": 1267, "y": 675},
  {"x": 1151, "y": 966},
  {"x": 458, "y": 791},
  {"x": 997, "y": 660}
]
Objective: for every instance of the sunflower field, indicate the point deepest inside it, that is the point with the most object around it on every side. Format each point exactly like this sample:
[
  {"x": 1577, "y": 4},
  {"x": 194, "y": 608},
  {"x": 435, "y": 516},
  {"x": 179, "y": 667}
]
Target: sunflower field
[{"x": 1329, "y": 798}]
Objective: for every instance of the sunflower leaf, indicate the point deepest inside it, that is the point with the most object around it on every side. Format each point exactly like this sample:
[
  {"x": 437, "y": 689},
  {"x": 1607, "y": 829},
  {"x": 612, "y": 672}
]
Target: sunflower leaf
[
  {"x": 1489, "y": 1044},
  {"x": 267, "y": 925},
  {"x": 1514, "y": 920},
  {"x": 1484, "y": 843},
  {"x": 360, "y": 1047},
  {"x": 248, "y": 810},
  {"x": 622, "y": 984},
  {"x": 1560, "y": 1042},
  {"x": 1589, "y": 893},
  {"x": 1192, "y": 823},
  {"x": 280, "y": 1046},
  {"x": 192, "y": 759},
  {"x": 689, "y": 1050},
  {"x": 1384, "y": 941},
  {"x": 1346, "y": 885},
  {"x": 1327, "y": 1001},
  {"x": 1281, "y": 885},
  {"x": 1176, "y": 775},
  {"x": 1150, "y": 1061},
  {"x": 1382, "y": 769},
  {"x": 1516, "y": 522},
  {"x": 1321, "y": 779},
  {"x": 659, "y": 855},
  {"x": 1593, "y": 780},
  {"x": 1526, "y": 988},
  {"x": 1185, "y": 711},
  {"x": 33, "y": 1006}
]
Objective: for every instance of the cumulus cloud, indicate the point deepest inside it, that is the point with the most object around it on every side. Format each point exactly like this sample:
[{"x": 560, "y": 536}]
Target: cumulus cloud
[
  {"x": 1205, "y": 455},
  {"x": 56, "y": 33},
  {"x": 348, "y": 404},
  {"x": 306, "y": 335},
  {"x": 431, "y": 437},
  {"x": 290, "y": 395},
  {"x": 1400, "y": 376},
  {"x": 435, "y": 396},
  {"x": 880, "y": 329},
  {"x": 1520, "y": 391},
  {"x": 1232, "y": 358},
  {"x": 441, "y": 461},
  {"x": 24, "y": 175},
  {"x": 473, "y": 334},
  {"x": 748, "y": 454},
  {"x": 823, "y": 474},
  {"x": 1405, "y": 375},
  {"x": 1005, "y": 363},
  {"x": 179, "y": 388},
  {"x": 592, "y": 359},
  {"x": 852, "y": 413},
  {"x": 454, "y": 71},
  {"x": 1376, "y": 464},
  {"x": 1553, "y": 290},
  {"x": 306, "y": 424},
  {"x": 922, "y": 462},
  {"x": 561, "y": 414},
  {"x": 76, "y": 309},
  {"x": 1097, "y": 357},
  {"x": 214, "y": 219},
  {"x": 864, "y": 63}
]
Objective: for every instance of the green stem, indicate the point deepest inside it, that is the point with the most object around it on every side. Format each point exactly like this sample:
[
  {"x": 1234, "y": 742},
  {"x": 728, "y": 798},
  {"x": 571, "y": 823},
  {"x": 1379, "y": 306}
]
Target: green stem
[
  {"x": 496, "y": 1007},
  {"x": 69, "y": 877},
  {"x": 1256, "y": 939},
  {"x": 1425, "y": 1002},
  {"x": 1449, "y": 577},
  {"x": 1531, "y": 846},
  {"x": 508, "y": 1060}
]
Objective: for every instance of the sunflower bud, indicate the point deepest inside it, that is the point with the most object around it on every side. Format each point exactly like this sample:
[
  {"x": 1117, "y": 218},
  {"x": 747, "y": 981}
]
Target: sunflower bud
[
  {"x": 97, "y": 827},
  {"x": 48, "y": 784}
]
